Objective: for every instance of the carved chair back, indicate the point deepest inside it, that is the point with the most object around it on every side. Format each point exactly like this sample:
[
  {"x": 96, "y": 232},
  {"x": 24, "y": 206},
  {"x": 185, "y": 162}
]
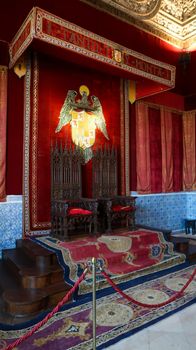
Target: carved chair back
[
  {"x": 69, "y": 211},
  {"x": 112, "y": 207},
  {"x": 104, "y": 173},
  {"x": 66, "y": 178}
]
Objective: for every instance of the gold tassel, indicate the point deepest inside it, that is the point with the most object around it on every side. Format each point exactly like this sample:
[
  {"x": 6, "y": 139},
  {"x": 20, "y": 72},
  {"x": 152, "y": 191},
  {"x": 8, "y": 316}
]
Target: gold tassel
[
  {"x": 20, "y": 67},
  {"x": 132, "y": 91}
]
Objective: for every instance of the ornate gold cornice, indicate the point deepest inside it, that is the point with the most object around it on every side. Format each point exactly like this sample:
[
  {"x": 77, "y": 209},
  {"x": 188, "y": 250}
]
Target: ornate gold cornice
[
  {"x": 171, "y": 20},
  {"x": 143, "y": 9}
]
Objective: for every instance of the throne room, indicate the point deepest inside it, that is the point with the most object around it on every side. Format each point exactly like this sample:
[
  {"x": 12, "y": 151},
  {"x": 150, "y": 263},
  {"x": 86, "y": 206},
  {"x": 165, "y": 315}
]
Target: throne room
[{"x": 97, "y": 174}]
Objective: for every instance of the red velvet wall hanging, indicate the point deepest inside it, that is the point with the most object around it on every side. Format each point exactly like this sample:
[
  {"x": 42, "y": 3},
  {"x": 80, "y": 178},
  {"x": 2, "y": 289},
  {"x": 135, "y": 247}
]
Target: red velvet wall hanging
[
  {"x": 15, "y": 116},
  {"x": 50, "y": 81},
  {"x": 177, "y": 146},
  {"x": 133, "y": 176},
  {"x": 156, "y": 149}
]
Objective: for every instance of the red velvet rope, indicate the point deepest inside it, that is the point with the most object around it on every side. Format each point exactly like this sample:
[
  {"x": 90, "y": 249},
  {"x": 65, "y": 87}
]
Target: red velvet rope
[
  {"x": 174, "y": 297},
  {"x": 55, "y": 310},
  {"x": 73, "y": 289}
]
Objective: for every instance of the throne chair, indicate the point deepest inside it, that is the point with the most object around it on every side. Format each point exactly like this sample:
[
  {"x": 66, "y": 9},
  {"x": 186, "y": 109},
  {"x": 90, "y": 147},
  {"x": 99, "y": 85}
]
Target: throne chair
[
  {"x": 70, "y": 212},
  {"x": 112, "y": 208}
]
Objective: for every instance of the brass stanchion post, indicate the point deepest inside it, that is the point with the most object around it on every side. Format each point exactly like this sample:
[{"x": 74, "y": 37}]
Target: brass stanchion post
[{"x": 94, "y": 302}]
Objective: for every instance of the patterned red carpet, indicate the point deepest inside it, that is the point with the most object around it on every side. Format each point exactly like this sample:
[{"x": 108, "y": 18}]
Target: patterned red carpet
[
  {"x": 116, "y": 317},
  {"x": 123, "y": 255}
]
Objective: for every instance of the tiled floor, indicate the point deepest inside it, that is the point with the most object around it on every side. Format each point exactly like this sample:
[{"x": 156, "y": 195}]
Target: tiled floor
[{"x": 177, "y": 332}]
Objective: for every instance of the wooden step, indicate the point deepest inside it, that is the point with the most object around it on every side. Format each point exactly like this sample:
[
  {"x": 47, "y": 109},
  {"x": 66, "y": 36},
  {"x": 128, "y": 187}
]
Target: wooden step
[
  {"x": 41, "y": 255},
  {"x": 7, "y": 280},
  {"x": 57, "y": 292},
  {"x": 21, "y": 302},
  {"x": 31, "y": 275},
  {"x": 31, "y": 281}
]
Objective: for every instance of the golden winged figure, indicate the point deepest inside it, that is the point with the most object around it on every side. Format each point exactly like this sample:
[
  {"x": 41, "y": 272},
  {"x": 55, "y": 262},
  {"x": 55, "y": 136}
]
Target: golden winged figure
[
  {"x": 65, "y": 116},
  {"x": 85, "y": 117}
]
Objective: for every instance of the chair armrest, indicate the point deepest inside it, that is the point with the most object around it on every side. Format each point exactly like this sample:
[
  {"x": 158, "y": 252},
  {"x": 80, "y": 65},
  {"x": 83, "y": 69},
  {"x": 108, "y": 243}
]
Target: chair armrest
[
  {"x": 123, "y": 200},
  {"x": 59, "y": 207},
  {"x": 90, "y": 200}
]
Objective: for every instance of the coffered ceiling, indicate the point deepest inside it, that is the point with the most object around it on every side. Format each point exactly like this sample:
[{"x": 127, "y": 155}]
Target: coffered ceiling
[{"x": 172, "y": 20}]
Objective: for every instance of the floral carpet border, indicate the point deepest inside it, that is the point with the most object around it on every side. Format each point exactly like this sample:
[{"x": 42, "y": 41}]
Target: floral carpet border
[{"x": 71, "y": 328}]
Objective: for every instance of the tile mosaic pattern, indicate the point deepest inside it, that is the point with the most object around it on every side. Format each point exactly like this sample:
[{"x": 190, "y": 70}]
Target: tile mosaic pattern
[
  {"x": 191, "y": 205},
  {"x": 10, "y": 222},
  {"x": 167, "y": 211}
]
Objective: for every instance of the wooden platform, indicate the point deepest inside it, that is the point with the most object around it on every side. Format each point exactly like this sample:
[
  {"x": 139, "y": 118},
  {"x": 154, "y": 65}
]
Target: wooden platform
[
  {"x": 31, "y": 281},
  {"x": 186, "y": 246}
]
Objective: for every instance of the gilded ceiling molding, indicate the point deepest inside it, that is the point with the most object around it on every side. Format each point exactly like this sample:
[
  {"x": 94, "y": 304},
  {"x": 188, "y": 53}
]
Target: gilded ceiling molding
[
  {"x": 167, "y": 25},
  {"x": 177, "y": 18},
  {"x": 143, "y": 9},
  {"x": 173, "y": 21},
  {"x": 181, "y": 10}
]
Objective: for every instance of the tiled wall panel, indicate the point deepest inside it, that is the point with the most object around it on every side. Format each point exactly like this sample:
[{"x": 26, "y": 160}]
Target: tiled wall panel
[
  {"x": 167, "y": 211},
  {"x": 10, "y": 222}
]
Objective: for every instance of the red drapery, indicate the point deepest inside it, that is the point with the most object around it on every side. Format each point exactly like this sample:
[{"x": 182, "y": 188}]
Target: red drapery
[
  {"x": 132, "y": 149},
  {"x": 167, "y": 159},
  {"x": 189, "y": 151},
  {"x": 156, "y": 149},
  {"x": 177, "y": 151},
  {"x": 143, "y": 149},
  {"x": 15, "y": 116},
  {"x": 3, "y": 117}
]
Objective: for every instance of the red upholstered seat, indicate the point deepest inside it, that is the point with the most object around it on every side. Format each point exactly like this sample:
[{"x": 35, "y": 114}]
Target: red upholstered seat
[
  {"x": 79, "y": 211},
  {"x": 118, "y": 208}
]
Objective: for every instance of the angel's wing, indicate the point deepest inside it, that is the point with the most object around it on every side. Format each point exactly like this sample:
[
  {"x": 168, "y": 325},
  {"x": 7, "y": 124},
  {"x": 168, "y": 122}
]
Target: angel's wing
[
  {"x": 65, "y": 116},
  {"x": 99, "y": 119}
]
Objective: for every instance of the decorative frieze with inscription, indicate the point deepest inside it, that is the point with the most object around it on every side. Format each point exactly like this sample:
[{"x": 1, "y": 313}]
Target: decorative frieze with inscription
[{"x": 61, "y": 33}]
